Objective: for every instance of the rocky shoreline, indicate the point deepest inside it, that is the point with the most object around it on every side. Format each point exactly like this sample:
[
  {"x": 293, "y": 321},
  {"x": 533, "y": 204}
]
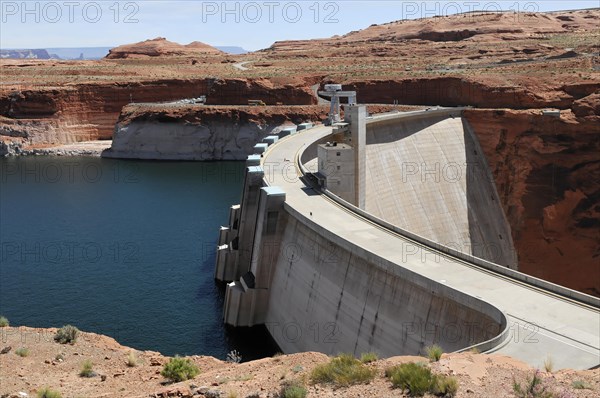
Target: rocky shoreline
[
  {"x": 86, "y": 148},
  {"x": 50, "y": 364}
]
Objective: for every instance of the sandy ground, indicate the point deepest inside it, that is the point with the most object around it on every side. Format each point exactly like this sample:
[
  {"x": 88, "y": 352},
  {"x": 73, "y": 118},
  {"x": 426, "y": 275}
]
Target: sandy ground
[{"x": 479, "y": 375}]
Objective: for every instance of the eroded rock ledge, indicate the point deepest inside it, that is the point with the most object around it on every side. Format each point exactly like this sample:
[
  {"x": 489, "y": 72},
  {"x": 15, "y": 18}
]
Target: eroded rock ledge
[{"x": 204, "y": 132}]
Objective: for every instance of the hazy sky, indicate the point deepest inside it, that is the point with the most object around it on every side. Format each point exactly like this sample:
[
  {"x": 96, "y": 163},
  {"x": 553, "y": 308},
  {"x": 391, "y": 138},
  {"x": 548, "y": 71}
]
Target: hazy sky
[{"x": 249, "y": 24}]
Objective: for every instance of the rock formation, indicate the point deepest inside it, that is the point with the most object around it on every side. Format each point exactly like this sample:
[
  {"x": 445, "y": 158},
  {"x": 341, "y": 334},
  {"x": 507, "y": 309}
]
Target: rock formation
[{"x": 160, "y": 47}]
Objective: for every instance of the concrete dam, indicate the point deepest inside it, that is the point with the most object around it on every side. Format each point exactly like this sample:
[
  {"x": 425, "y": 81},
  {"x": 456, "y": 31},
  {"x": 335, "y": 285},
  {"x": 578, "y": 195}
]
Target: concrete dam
[{"x": 386, "y": 234}]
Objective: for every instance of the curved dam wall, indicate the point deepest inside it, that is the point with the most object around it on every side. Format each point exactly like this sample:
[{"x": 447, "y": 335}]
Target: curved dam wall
[
  {"x": 323, "y": 274},
  {"x": 315, "y": 291},
  {"x": 428, "y": 175},
  {"x": 331, "y": 296}
]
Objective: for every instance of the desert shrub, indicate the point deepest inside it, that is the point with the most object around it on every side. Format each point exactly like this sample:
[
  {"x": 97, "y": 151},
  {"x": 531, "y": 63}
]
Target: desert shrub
[
  {"x": 48, "y": 393},
  {"x": 369, "y": 357},
  {"x": 581, "y": 385},
  {"x": 4, "y": 322},
  {"x": 180, "y": 369},
  {"x": 415, "y": 378},
  {"x": 22, "y": 351},
  {"x": 446, "y": 386},
  {"x": 66, "y": 334},
  {"x": 293, "y": 389},
  {"x": 434, "y": 353},
  {"x": 533, "y": 388},
  {"x": 549, "y": 365},
  {"x": 343, "y": 370},
  {"x": 132, "y": 360},
  {"x": 87, "y": 369}
]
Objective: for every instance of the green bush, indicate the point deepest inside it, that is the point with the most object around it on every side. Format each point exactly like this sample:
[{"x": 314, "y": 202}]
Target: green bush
[
  {"x": 415, "y": 378},
  {"x": 445, "y": 386},
  {"x": 293, "y": 389},
  {"x": 369, "y": 357},
  {"x": 22, "y": 351},
  {"x": 434, "y": 353},
  {"x": 180, "y": 369},
  {"x": 3, "y": 322},
  {"x": 66, "y": 334},
  {"x": 343, "y": 370},
  {"x": 48, "y": 393},
  {"x": 87, "y": 370}
]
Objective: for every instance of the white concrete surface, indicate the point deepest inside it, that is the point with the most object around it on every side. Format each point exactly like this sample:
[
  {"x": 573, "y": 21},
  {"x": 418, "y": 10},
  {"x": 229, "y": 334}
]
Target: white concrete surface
[
  {"x": 429, "y": 176},
  {"x": 541, "y": 324}
]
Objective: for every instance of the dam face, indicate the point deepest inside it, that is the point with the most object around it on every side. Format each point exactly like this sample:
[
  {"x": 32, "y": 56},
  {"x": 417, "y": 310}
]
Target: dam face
[
  {"x": 329, "y": 297},
  {"x": 375, "y": 271},
  {"x": 429, "y": 176}
]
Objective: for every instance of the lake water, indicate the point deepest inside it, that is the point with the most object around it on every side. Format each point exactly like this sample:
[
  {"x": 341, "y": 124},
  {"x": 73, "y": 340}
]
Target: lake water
[{"x": 122, "y": 248}]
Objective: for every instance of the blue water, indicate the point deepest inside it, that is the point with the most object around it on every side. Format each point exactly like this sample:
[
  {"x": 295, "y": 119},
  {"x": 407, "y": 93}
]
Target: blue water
[{"x": 122, "y": 248}]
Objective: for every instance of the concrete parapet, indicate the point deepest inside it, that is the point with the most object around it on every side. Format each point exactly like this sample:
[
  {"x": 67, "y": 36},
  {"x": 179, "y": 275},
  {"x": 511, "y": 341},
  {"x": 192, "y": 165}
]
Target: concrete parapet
[
  {"x": 260, "y": 148},
  {"x": 253, "y": 160},
  {"x": 305, "y": 126},
  {"x": 270, "y": 140},
  {"x": 288, "y": 131}
]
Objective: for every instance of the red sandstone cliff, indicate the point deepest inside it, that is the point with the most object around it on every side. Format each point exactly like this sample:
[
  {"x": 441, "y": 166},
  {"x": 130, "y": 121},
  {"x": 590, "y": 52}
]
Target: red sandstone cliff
[{"x": 547, "y": 172}]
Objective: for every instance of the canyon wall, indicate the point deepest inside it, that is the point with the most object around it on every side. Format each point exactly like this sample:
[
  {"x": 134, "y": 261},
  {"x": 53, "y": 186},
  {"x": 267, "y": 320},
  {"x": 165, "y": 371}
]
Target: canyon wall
[
  {"x": 482, "y": 93},
  {"x": 547, "y": 171},
  {"x": 51, "y": 116}
]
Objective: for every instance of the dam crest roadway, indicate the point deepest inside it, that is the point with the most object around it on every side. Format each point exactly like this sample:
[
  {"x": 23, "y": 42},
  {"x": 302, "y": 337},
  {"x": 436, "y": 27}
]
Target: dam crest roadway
[{"x": 339, "y": 246}]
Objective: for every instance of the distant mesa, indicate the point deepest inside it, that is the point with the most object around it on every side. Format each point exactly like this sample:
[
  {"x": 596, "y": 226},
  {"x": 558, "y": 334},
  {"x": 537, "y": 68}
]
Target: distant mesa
[
  {"x": 25, "y": 54},
  {"x": 160, "y": 47}
]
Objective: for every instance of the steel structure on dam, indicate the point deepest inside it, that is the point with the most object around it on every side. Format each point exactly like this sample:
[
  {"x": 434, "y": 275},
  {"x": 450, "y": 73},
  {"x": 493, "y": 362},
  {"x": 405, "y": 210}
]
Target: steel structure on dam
[{"x": 380, "y": 264}]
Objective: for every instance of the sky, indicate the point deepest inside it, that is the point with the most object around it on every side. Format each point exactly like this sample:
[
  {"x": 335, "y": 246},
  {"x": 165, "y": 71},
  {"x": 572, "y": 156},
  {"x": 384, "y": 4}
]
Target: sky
[{"x": 252, "y": 25}]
